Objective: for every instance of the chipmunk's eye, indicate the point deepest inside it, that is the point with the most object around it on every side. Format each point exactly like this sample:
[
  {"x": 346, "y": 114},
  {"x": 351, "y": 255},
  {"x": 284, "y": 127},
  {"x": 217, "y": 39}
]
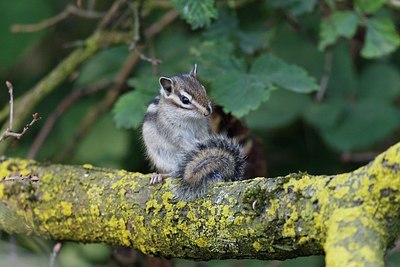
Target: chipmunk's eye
[{"x": 185, "y": 100}]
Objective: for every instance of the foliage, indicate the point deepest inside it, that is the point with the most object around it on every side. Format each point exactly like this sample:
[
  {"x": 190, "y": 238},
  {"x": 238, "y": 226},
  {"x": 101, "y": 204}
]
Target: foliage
[
  {"x": 262, "y": 61},
  {"x": 196, "y": 13}
]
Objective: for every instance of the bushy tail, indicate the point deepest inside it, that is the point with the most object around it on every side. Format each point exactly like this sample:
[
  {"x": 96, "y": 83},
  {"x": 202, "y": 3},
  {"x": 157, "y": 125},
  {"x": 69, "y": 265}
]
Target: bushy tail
[{"x": 217, "y": 159}]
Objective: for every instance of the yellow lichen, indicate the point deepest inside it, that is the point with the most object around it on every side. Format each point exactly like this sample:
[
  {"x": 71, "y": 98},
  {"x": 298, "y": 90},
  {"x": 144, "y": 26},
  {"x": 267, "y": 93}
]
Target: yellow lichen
[
  {"x": 1, "y": 190},
  {"x": 257, "y": 246},
  {"x": 202, "y": 242},
  {"x": 88, "y": 166},
  {"x": 273, "y": 207},
  {"x": 66, "y": 208},
  {"x": 238, "y": 220},
  {"x": 288, "y": 227}
]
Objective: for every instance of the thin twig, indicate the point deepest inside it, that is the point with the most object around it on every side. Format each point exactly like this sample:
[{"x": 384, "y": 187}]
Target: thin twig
[
  {"x": 8, "y": 132},
  {"x": 136, "y": 39},
  {"x": 10, "y": 91},
  {"x": 153, "y": 61},
  {"x": 33, "y": 178},
  {"x": 325, "y": 77},
  {"x": 159, "y": 25},
  {"x": 110, "y": 14},
  {"x": 56, "y": 249},
  {"x": 68, "y": 11},
  {"x": 65, "y": 104}
]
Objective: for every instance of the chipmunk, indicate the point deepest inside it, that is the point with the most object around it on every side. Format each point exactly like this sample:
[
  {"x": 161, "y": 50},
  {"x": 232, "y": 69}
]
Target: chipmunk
[{"x": 178, "y": 140}]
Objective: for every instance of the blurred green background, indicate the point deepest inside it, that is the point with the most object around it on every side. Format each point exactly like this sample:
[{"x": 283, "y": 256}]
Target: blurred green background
[{"x": 317, "y": 81}]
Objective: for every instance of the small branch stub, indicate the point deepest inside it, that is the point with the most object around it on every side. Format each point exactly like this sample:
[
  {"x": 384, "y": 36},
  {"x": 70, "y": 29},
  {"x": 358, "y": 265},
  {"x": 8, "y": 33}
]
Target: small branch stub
[{"x": 8, "y": 132}]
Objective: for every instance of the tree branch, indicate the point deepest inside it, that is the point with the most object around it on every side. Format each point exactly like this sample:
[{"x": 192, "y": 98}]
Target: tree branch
[
  {"x": 68, "y": 11},
  {"x": 352, "y": 217}
]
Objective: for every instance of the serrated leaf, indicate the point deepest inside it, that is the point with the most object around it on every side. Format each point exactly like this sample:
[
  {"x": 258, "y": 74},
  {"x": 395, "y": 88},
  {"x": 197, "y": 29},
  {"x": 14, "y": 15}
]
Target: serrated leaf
[
  {"x": 224, "y": 26},
  {"x": 282, "y": 108},
  {"x": 339, "y": 24},
  {"x": 239, "y": 92},
  {"x": 197, "y": 13},
  {"x": 366, "y": 123},
  {"x": 216, "y": 58},
  {"x": 289, "y": 77},
  {"x": 282, "y": 45},
  {"x": 381, "y": 39},
  {"x": 369, "y": 6},
  {"x": 130, "y": 108}
]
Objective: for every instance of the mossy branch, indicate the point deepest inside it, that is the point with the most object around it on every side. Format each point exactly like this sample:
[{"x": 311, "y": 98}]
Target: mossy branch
[
  {"x": 24, "y": 105},
  {"x": 352, "y": 217}
]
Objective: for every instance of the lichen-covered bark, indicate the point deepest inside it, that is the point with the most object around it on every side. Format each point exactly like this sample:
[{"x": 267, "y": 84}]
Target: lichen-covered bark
[{"x": 352, "y": 217}]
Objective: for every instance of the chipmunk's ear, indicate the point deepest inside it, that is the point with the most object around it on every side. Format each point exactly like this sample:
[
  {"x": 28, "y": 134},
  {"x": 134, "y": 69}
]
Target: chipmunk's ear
[
  {"x": 193, "y": 72},
  {"x": 166, "y": 85}
]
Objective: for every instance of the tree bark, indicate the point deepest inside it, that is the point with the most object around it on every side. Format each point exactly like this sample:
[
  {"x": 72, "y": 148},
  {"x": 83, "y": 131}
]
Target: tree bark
[{"x": 352, "y": 217}]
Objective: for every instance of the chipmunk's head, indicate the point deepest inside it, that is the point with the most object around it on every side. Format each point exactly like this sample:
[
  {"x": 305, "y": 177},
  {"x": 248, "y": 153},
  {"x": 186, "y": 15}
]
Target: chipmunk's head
[{"x": 187, "y": 94}]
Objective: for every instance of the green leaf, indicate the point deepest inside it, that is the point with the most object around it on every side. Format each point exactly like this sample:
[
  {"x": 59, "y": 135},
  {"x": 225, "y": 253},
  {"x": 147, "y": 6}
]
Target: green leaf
[
  {"x": 197, "y": 13},
  {"x": 343, "y": 81},
  {"x": 215, "y": 58},
  {"x": 289, "y": 77},
  {"x": 145, "y": 84},
  {"x": 368, "y": 122},
  {"x": 324, "y": 116},
  {"x": 380, "y": 81},
  {"x": 282, "y": 108},
  {"x": 282, "y": 45},
  {"x": 382, "y": 38},
  {"x": 339, "y": 24},
  {"x": 296, "y": 7},
  {"x": 369, "y": 6},
  {"x": 239, "y": 92},
  {"x": 130, "y": 108},
  {"x": 225, "y": 25},
  {"x": 173, "y": 48},
  {"x": 250, "y": 42}
]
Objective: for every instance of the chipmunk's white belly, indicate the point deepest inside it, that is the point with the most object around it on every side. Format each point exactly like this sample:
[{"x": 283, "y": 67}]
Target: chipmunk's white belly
[{"x": 165, "y": 150}]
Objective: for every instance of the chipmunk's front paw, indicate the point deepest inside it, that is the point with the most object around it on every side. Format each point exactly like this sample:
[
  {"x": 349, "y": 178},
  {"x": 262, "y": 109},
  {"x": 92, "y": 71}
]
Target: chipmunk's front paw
[{"x": 158, "y": 177}]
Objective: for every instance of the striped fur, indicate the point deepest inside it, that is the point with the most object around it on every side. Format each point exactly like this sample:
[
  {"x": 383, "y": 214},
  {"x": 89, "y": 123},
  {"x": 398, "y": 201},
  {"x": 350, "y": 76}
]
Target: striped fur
[{"x": 218, "y": 159}]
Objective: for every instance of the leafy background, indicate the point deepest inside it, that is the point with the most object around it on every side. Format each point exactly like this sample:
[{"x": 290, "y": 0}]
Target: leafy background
[{"x": 317, "y": 81}]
